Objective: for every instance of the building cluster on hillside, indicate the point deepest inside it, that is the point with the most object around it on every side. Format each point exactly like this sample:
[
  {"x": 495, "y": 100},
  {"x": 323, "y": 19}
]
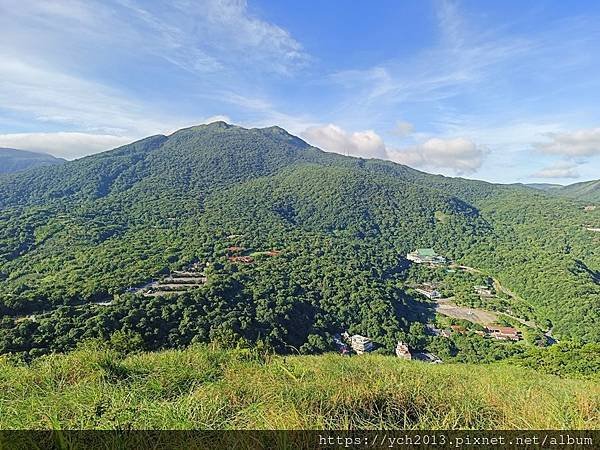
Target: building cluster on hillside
[
  {"x": 236, "y": 254},
  {"x": 484, "y": 291},
  {"x": 362, "y": 344},
  {"x": 177, "y": 282},
  {"x": 504, "y": 333},
  {"x": 496, "y": 332},
  {"x": 426, "y": 256}
]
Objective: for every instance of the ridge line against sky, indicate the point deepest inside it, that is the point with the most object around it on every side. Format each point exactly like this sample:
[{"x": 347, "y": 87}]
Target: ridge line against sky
[{"x": 500, "y": 91}]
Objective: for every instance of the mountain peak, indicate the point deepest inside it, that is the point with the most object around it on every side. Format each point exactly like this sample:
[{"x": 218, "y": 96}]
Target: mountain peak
[{"x": 220, "y": 124}]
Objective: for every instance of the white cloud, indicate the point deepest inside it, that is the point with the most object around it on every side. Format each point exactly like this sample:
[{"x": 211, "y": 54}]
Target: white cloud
[
  {"x": 366, "y": 144},
  {"x": 563, "y": 169},
  {"x": 199, "y": 36},
  {"x": 216, "y": 35},
  {"x": 574, "y": 144},
  {"x": 460, "y": 155},
  {"x": 403, "y": 128},
  {"x": 106, "y": 117},
  {"x": 211, "y": 119},
  {"x": 50, "y": 96},
  {"x": 63, "y": 145}
]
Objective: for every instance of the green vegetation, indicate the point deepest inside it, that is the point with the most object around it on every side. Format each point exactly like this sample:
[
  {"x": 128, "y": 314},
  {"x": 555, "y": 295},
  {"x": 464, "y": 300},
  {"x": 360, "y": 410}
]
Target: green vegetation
[
  {"x": 208, "y": 388},
  {"x": 88, "y": 230},
  {"x": 12, "y": 160},
  {"x": 586, "y": 191}
]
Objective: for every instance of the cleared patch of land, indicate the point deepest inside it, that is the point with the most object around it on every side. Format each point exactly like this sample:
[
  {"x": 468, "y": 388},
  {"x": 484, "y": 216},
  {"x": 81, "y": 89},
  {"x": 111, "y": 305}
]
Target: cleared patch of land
[{"x": 447, "y": 308}]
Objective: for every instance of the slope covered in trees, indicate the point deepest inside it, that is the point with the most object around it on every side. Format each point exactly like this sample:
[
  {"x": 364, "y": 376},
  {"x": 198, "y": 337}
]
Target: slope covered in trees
[
  {"x": 13, "y": 160},
  {"x": 586, "y": 191},
  {"x": 88, "y": 230}
]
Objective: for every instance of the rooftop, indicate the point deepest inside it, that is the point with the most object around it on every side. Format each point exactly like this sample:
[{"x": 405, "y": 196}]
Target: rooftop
[{"x": 504, "y": 330}]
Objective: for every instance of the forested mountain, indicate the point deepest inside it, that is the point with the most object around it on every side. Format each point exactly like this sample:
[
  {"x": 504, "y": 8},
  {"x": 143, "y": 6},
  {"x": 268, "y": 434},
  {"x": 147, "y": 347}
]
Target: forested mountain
[
  {"x": 88, "y": 230},
  {"x": 545, "y": 186},
  {"x": 586, "y": 191},
  {"x": 13, "y": 160}
]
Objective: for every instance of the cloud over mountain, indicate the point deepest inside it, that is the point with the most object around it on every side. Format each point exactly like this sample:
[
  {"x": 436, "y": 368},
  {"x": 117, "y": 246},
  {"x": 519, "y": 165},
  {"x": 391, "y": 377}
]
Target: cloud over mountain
[
  {"x": 366, "y": 144},
  {"x": 578, "y": 143},
  {"x": 563, "y": 169},
  {"x": 461, "y": 155}
]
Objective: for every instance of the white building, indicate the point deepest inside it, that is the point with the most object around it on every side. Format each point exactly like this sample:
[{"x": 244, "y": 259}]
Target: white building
[
  {"x": 425, "y": 256},
  {"x": 361, "y": 344},
  {"x": 428, "y": 292}
]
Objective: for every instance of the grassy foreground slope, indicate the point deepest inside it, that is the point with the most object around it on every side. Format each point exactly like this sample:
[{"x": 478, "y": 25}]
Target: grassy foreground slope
[{"x": 208, "y": 388}]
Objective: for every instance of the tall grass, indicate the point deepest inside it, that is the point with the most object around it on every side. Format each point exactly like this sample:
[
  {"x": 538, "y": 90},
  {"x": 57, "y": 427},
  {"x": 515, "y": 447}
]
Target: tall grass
[{"x": 208, "y": 388}]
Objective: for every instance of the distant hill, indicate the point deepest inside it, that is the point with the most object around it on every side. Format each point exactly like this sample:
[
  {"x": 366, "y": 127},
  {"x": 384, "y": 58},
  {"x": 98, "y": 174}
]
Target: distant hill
[
  {"x": 13, "y": 160},
  {"x": 586, "y": 191},
  {"x": 544, "y": 186}
]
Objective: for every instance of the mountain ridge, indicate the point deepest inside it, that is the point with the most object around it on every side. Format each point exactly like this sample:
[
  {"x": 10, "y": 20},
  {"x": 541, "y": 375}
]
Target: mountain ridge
[
  {"x": 584, "y": 191},
  {"x": 91, "y": 229},
  {"x": 15, "y": 160}
]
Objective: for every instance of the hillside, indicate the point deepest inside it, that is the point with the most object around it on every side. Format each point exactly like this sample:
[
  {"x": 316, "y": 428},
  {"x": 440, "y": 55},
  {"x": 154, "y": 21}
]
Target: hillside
[
  {"x": 545, "y": 186},
  {"x": 586, "y": 191},
  {"x": 203, "y": 388},
  {"x": 96, "y": 230},
  {"x": 13, "y": 160}
]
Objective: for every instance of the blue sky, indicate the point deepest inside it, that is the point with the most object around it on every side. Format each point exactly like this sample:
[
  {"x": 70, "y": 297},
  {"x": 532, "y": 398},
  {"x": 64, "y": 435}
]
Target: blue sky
[{"x": 502, "y": 91}]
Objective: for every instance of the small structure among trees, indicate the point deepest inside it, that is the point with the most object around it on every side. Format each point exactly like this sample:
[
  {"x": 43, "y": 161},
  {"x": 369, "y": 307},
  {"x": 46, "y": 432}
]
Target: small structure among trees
[
  {"x": 402, "y": 351},
  {"x": 428, "y": 290},
  {"x": 505, "y": 333},
  {"x": 360, "y": 344},
  {"x": 425, "y": 256}
]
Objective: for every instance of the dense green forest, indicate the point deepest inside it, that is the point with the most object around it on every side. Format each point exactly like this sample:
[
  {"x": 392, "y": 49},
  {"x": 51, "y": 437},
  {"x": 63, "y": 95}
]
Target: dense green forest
[{"x": 82, "y": 233}]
